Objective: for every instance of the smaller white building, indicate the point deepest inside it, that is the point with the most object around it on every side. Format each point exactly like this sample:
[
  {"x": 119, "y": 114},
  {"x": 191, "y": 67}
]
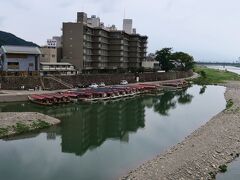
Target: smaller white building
[
  {"x": 150, "y": 64},
  {"x": 57, "y": 69},
  {"x": 127, "y": 26}
]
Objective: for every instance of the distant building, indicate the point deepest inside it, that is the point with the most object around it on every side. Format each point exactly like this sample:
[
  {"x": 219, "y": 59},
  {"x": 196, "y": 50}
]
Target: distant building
[
  {"x": 151, "y": 63},
  {"x": 48, "y": 54},
  {"x": 127, "y": 26},
  {"x": 58, "y": 41},
  {"x": 52, "y": 51},
  {"x": 90, "y": 46},
  {"x": 57, "y": 69},
  {"x": 16, "y": 59}
]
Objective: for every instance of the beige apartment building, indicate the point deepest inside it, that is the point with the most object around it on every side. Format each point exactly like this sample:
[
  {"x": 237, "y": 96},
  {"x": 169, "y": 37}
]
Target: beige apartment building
[{"x": 90, "y": 46}]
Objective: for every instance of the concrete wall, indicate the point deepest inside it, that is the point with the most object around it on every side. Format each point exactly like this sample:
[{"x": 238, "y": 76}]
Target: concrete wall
[{"x": 109, "y": 79}]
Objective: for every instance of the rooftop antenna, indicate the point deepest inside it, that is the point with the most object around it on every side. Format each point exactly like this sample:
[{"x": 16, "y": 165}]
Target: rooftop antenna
[{"x": 124, "y": 15}]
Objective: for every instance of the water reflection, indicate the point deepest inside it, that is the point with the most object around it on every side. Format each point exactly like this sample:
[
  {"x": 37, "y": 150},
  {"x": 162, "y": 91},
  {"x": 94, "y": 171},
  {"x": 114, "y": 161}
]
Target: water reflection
[
  {"x": 203, "y": 89},
  {"x": 87, "y": 126},
  {"x": 92, "y": 125},
  {"x": 168, "y": 100},
  {"x": 104, "y": 141}
]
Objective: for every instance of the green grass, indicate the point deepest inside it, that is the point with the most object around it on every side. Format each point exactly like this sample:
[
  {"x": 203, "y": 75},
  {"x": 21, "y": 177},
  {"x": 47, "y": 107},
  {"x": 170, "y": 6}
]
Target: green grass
[
  {"x": 213, "y": 76},
  {"x": 40, "y": 124},
  {"x": 21, "y": 128}
]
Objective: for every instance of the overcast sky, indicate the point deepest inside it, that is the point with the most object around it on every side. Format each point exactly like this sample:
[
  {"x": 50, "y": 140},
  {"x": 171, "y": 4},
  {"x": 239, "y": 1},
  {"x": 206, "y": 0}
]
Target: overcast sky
[{"x": 207, "y": 29}]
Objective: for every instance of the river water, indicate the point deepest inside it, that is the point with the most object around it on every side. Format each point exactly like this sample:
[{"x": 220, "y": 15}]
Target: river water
[
  {"x": 105, "y": 141},
  {"x": 233, "y": 172}
]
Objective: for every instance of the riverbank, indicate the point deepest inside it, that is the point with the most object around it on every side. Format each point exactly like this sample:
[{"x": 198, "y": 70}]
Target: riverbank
[
  {"x": 210, "y": 76},
  {"x": 18, "y": 123},
  {"x": 201, "y": 154},
  {"x": 22, "y": 95}
]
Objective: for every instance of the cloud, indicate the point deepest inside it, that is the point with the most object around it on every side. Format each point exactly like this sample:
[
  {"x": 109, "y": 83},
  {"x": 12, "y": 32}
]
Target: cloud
[
  {"x": 2, "y": 19},
  {"x": 23, "y": 4},
  {"x": 64, "y": 3}
]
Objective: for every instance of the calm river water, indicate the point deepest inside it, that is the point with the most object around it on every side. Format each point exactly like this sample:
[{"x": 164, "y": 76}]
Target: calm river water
[
  {"x": 104, "y": 141},
  {"x": 233, "y": 172}
]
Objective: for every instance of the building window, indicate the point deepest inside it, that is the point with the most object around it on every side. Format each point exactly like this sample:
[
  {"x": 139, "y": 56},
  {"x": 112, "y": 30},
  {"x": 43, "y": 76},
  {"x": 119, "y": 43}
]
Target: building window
[
  {"x": 43, "y": 55},
  {"x": 13, "y": 65},
  {"x": 53, "y": 56}
]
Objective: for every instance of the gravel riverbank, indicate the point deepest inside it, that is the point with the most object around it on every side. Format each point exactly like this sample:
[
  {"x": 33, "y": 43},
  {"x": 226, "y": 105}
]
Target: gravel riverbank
[
  {"x": 18, "y": 123},
  {"x": 201, "y": 153}
]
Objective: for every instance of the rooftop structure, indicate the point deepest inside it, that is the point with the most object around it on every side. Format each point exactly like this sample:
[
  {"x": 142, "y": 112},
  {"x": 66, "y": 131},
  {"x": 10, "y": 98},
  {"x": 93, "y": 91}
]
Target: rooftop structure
[
  {"x": 21, "y": 50},
  {"x": 127, "y": 26}
]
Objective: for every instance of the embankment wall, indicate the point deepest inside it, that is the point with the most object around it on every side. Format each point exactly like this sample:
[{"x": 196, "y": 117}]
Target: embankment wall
[{"x": 15, "y": 83}]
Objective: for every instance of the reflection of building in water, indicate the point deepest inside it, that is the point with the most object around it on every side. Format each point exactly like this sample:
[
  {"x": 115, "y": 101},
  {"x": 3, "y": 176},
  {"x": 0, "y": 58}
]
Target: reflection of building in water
[
  {"x": 92, "y": 125},
  {"x": 51, "y": 135}
]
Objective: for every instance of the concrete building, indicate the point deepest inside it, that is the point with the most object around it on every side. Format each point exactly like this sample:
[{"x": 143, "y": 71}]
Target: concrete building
[
  {"x": 58, "y": 40},
  {"x": 48, "y": 54},
  {"x": 52, "y": 51},
  {"x": 19, "y": 59},
  {"x": 127, "y": 26},
  {"x": 90, "y": 46},
  {"x": 57, "y": 69}
]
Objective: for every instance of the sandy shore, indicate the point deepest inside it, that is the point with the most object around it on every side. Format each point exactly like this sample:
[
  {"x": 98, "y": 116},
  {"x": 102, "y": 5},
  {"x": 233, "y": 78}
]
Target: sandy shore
[
  {"x": 201, "y": 153},
  {"x": 17, "y": 123}
]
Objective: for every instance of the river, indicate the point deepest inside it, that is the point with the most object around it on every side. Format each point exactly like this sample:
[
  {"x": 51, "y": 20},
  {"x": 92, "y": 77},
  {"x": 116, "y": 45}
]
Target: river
[
  {"x": 233, "y": 172},
  {"x": 106, "y": 140}
]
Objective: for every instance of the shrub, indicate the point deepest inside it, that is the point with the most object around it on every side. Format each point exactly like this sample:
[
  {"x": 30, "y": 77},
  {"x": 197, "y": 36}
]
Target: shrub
[
  {"x": 223, "y": 168},
  {"x": 40, "y": 124},
  {"x": 203, "y": 74},
  {"x": 229, "y": 104},
  {"x": 21, "y": 128},
  {"x": 3, "y": 131}
]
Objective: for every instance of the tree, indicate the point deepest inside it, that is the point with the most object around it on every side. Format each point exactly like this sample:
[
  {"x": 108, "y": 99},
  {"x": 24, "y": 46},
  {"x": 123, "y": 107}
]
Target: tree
[
  {"x": 164, "y": 57},
  {"x": 187, "y": 61}
]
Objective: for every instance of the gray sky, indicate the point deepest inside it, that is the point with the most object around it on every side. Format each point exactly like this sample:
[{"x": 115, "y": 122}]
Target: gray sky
[{"x": 207, "y": 29}]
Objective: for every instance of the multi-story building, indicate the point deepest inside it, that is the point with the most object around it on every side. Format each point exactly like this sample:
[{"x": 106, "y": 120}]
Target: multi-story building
[{"x": 89, "y": 46}]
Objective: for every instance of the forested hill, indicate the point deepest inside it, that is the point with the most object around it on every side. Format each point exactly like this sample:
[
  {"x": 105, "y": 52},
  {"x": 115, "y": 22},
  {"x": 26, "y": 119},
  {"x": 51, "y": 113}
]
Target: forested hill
[{"x": 10, "y": 39}]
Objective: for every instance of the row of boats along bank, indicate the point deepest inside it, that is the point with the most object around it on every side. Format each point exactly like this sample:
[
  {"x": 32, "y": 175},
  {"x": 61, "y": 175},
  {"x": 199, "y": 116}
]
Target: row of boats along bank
[{"x": 105, "y": 93}]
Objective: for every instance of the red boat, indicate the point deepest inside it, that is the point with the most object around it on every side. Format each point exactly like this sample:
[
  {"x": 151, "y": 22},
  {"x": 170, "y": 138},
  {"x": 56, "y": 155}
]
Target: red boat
[{"x": 41, "y": 100}]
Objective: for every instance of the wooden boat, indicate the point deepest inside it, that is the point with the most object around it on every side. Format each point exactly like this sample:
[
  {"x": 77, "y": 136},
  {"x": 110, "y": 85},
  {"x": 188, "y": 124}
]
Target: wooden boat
[
  {"x": 41, "y": 100},
  {"x": 175, "y": 85}
]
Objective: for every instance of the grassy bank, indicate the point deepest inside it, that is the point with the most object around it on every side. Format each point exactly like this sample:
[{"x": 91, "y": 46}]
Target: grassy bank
[{"x": 213, "y": 76}]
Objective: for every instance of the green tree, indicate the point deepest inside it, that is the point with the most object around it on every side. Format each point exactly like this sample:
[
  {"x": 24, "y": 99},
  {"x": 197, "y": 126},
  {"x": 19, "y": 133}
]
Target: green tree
[
  {"x": 187, "y": 61},
  {"x": 164, "y": 57}
]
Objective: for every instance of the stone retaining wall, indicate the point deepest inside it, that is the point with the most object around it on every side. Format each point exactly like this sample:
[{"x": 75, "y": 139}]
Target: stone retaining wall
[{"x": 14, "y": 83}]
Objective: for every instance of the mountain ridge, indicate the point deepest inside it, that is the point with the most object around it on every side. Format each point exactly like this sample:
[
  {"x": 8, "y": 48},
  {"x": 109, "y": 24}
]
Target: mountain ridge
[{"x": 7, "y": 38}]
